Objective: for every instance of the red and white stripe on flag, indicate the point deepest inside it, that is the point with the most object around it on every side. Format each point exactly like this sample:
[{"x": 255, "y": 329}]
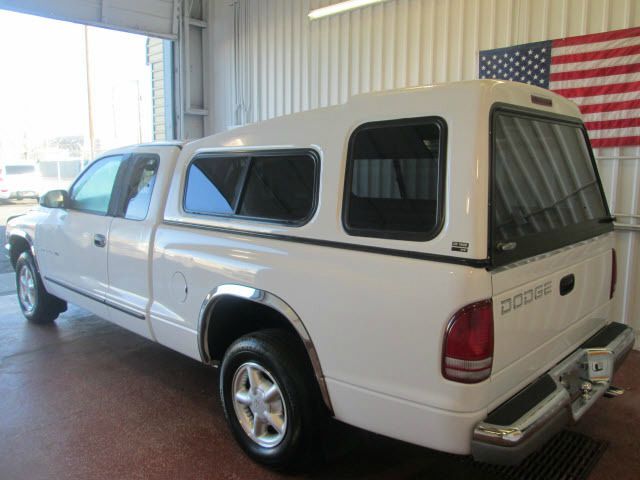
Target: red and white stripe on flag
[{"x": 601, "y": 73}]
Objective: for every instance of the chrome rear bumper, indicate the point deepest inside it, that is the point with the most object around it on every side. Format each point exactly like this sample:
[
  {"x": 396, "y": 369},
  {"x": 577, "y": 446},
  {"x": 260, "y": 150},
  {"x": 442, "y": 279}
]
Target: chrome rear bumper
[{"x": 529, "y": 419}]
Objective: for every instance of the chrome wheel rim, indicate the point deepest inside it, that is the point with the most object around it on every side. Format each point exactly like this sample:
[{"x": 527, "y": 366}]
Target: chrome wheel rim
[
  {"x": 27, "y": 289},
  {"x": 259, "y": 405}
]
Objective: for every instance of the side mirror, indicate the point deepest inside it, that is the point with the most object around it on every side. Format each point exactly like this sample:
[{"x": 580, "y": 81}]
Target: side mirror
[{"x": 54, "y": 199}]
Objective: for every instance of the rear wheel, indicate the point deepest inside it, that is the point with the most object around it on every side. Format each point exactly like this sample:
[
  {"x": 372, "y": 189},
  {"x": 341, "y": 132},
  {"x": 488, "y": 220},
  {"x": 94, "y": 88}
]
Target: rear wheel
[
  {"x": 37, "y": 305},
  {"x": 268, "y": 398}
]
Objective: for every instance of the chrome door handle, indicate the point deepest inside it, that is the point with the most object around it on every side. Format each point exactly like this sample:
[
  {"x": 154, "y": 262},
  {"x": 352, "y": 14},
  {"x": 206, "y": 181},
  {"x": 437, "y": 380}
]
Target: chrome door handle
[{"x": 99, "y": 240}]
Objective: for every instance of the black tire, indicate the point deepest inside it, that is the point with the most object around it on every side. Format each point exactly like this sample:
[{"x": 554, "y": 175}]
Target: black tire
[
  {"x": 280, "y": 354},
  {"x": 39, "y": 306}
]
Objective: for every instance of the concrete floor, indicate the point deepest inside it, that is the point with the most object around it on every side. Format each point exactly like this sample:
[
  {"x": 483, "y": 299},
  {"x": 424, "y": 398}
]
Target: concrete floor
[{"x": 83, "y": 399}]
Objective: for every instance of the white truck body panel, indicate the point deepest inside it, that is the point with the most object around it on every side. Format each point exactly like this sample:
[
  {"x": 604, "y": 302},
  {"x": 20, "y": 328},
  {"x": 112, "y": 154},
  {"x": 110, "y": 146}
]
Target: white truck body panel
[{"x": 64, "y": 245}]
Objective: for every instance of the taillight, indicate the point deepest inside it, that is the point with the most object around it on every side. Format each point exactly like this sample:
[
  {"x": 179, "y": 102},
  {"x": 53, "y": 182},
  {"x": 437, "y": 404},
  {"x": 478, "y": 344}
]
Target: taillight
[
  {"x": 614, "y": 272},
  {"x": 467, "y": 355}
]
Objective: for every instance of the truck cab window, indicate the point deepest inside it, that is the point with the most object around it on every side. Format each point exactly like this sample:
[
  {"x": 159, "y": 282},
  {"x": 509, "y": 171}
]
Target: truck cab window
[
  {"x": 140, "y": 186},
  {"x": 92, "y": 191}
]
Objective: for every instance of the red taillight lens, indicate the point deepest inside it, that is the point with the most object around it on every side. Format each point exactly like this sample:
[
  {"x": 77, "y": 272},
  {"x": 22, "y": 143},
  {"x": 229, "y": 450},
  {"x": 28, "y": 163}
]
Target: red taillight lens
[
  {"x": 614, "y": 272},
  {"x": 467, "y": 355}
]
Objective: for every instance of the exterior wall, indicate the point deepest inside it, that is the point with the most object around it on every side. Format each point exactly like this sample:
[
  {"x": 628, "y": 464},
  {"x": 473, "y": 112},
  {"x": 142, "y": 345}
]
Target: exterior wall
[
  {"x": 160, "y": 59},
  {"x": 155, "y": 58},
  {"x": 270, "y": 60}
]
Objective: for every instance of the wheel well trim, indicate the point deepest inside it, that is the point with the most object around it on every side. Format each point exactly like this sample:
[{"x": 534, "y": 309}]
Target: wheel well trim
[
  {"x": 16, "y": 232},
  {"x": 267, "y": 299}
]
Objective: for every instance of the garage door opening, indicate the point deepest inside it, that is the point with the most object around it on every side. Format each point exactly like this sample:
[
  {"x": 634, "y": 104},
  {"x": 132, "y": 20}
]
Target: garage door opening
[{"x": 71, "y": 92}]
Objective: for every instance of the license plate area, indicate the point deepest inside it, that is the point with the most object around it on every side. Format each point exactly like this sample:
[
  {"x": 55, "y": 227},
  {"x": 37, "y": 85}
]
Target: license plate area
[
  {"x": 585, "y": 376},
  {"x": 598, "y": 364}
]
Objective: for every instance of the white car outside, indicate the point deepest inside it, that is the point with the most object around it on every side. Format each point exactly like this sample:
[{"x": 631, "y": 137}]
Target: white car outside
[{"x": 18, "y": 181}]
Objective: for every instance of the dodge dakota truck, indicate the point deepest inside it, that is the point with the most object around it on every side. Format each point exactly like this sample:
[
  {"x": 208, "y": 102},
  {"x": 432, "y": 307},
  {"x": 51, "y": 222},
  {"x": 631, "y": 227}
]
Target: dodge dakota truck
[{"x": 434, "y": 264}]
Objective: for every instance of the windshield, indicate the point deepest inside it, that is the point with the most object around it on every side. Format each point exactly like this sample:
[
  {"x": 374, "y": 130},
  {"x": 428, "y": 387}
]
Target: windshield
[{"x": 546, "y": 190}]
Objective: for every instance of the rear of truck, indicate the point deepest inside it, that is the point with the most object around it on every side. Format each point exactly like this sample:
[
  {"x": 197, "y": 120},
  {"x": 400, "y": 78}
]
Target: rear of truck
[{"x": 554, "y": 346}]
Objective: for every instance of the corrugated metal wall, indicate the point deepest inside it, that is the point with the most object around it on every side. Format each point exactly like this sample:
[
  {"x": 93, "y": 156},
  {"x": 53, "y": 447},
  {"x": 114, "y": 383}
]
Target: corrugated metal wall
[{"x": 284, "y": 63}]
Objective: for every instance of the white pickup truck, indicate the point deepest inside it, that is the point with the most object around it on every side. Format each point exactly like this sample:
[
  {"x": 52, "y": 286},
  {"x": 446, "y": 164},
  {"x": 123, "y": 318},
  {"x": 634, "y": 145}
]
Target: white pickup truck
[{"x": 433, "y": 264}]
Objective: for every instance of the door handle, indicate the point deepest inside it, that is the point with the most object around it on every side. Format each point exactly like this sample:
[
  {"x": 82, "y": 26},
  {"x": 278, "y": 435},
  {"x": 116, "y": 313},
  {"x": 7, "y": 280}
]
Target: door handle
[
  {"x": 567, "y": 283},
  {"x": 99, "y": 240}
]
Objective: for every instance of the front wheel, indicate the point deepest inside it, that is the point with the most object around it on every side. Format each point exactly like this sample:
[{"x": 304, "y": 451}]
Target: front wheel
[
  {"x": 268, "y": 398},
  {"x": 37, "y": 305}
]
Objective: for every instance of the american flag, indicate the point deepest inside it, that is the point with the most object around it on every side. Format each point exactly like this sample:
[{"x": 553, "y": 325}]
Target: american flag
[{"x": 599, "y": 72}]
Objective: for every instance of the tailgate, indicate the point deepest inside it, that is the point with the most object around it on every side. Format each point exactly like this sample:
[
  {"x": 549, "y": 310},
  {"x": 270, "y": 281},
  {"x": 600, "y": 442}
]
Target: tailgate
[
  {"x": 551, "y": 243},
  {"x": 545, "y": 306}
]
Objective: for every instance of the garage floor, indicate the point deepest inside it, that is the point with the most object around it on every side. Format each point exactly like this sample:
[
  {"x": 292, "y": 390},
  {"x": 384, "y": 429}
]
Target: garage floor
[{"x": 83, "y": 399}]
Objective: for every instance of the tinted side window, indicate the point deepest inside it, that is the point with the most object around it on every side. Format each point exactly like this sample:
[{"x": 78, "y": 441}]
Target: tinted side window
[
  {"x": 394, "y": 180},
  {"x": 266, "y": 186},
  {"x": 140, "y": 187},
  {"x": 279, "y": 188},
  {"x": 213, "y": 184},
  {"x": 92, "y": 191}
]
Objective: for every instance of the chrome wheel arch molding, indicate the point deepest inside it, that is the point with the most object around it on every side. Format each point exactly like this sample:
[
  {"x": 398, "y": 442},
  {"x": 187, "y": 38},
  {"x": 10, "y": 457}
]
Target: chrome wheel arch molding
[
  {"x": 269, "y": 300},
  {"x": 22, "y": 235}
]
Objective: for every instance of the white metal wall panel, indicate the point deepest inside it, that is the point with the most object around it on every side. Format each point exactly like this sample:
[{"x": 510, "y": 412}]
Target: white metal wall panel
[
  {"x": 288, "y": 63},
  {"x": 149, "y": 17}
]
